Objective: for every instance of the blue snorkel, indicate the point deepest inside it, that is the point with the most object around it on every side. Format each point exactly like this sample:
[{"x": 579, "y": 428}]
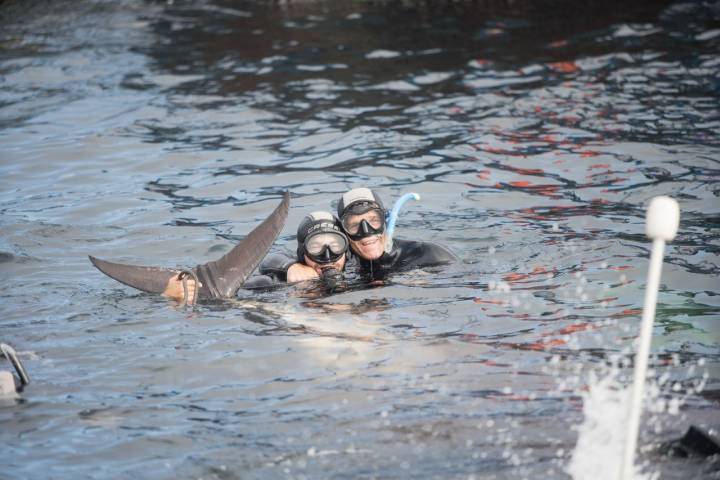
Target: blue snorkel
[{"x": 392, "y": 217}]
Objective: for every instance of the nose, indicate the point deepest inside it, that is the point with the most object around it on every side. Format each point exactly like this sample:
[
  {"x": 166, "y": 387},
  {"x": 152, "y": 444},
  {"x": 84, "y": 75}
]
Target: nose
[
  {"x": 326, "y": 254},
  {"x": 365, "y": 227}
]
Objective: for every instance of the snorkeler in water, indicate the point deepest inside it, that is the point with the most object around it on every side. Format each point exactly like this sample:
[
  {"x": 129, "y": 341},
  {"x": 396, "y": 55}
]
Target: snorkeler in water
[
  {"x": 322, "y": 249},
  {"x": 324, "y": 245},
  {"x": 364, "y": 220}
]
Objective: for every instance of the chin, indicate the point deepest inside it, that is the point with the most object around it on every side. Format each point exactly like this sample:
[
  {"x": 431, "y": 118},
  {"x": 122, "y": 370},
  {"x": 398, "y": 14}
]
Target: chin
[
  {"x": 372, "y": 250},
  {"x": 373, "y": 254}
]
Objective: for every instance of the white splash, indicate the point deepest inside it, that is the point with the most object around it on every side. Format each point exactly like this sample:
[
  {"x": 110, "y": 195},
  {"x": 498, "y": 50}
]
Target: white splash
[{"x": 598, "y": 454}]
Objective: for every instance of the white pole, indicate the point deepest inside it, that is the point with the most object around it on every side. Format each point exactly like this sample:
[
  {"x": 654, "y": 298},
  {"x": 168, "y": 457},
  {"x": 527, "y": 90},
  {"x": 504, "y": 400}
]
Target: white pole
[{"x": 663, "y": 218}]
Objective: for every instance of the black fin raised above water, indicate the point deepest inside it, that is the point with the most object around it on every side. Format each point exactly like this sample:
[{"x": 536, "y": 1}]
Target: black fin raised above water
[
  {"x": 220, "y": 278},
  {"x": 147, "y": 279}
]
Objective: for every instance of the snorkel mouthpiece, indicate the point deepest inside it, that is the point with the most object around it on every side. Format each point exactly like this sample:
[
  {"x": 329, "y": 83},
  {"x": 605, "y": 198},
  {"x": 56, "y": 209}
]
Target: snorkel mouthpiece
[{"x": 331, "y": 278}]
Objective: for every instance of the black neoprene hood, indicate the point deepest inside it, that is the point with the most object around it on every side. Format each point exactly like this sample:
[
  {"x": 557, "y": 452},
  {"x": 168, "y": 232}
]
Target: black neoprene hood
[{"x": 312, "y": 224}]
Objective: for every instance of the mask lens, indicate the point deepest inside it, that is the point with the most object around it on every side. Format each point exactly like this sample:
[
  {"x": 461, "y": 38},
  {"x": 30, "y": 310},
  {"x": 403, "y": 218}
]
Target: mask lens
[
  {"x": 336, "y": 243},
  {"x": 352, "y": 223}
]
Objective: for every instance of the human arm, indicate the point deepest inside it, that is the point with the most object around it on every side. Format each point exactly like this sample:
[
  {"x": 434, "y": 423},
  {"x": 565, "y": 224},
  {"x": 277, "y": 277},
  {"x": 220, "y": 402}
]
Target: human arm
[{"x": 299, "y": 272}]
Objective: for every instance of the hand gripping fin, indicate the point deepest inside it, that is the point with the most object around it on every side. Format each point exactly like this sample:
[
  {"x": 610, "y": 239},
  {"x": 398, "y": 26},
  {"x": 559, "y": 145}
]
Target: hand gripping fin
[{"x": 223, "y": 277}]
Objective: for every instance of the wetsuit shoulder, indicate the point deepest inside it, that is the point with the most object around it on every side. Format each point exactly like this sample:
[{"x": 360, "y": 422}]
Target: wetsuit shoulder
[
  {"x": 259, "y": 282},
  {"x": 406, "y": 255},
  {"x": 272, "y": 271},
  {"x": 276, "y": 265},
  {"x": 412, "y": 254}
]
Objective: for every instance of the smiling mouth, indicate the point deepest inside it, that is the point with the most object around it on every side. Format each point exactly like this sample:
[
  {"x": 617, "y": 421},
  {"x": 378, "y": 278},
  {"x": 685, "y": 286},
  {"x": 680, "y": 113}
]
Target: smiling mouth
[{"x": 369, "y": 241}]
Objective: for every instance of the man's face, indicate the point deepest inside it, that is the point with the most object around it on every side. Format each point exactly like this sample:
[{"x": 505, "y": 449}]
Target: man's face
[
  {"x": 369, "y": 248},
  {"x": 319, "y": 267},
  {"x": 372, "y": 246}
]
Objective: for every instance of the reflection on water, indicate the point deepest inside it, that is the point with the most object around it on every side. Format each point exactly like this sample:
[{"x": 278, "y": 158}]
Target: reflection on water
[{"x": 162, "y": 133}]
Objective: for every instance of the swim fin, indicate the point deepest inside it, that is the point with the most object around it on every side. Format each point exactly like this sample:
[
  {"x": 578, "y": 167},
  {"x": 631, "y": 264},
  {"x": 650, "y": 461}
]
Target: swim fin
[
  {"x": 147, "y": 279},
  {"x": 219, "y": 278},
  {"x": 224, "y": 276}
]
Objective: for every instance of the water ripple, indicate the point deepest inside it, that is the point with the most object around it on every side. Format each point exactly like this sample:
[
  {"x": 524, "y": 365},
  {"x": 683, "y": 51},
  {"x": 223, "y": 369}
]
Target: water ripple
[{"x": 534, "y": 142}]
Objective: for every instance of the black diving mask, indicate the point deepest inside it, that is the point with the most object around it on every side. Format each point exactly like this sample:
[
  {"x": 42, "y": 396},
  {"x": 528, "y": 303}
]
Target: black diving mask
[
  {"x": 362, "y": 225},
  {"x": 326, "y": 247}
]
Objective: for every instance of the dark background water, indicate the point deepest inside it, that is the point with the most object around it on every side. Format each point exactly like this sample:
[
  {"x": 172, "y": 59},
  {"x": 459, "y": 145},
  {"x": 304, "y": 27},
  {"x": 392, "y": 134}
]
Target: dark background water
[{"x": 160, "y": 133}]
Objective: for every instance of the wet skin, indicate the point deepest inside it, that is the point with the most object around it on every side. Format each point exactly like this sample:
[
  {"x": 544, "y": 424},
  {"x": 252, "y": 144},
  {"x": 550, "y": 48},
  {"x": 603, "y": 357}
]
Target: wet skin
[
  {"x": 175, "y": 290},
  {"x": 311, "y": 270},
  {"x": 369, "y": 248},
  {"x": 372, "y": 247}
]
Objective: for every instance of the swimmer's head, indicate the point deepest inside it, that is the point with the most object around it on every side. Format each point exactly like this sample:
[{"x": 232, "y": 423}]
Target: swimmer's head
[
  {"x": 362, "y": 216},
  {"x": 321, "y": 241}
]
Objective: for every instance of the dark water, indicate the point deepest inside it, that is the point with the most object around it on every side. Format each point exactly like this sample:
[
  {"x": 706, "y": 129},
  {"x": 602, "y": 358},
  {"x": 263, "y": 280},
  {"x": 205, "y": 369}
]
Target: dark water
[{"x": 162, "y": 133}]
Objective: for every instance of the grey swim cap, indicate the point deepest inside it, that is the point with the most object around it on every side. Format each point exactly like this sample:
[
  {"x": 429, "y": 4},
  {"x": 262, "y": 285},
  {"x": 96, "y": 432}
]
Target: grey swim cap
[{"x": 358, "y": 200}]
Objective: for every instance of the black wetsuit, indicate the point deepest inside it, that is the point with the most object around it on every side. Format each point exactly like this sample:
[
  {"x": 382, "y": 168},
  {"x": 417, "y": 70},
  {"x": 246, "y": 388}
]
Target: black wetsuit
[
  {"x": 405, "y": 255},
  {"x": 272, "y": 271}
]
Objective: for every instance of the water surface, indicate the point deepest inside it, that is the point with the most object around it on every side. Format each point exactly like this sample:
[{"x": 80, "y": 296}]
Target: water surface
[{"x": 162, "y": 133}]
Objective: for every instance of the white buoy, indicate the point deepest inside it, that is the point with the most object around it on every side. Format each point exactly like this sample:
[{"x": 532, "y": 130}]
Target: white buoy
[{"x": 663, "y": 218}]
